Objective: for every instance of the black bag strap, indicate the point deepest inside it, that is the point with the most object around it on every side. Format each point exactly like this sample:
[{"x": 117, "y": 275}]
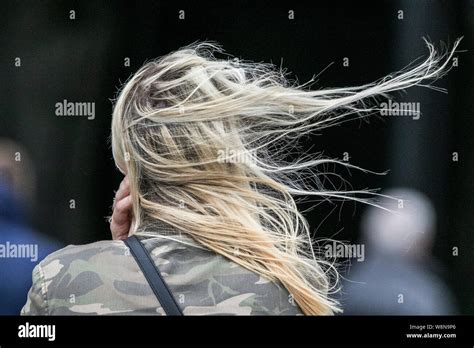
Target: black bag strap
[{"x": 153, "y": 276}]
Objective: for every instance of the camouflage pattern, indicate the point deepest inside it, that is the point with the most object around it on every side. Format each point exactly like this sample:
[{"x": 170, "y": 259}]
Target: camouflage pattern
[{"x": 103, "y": 278}]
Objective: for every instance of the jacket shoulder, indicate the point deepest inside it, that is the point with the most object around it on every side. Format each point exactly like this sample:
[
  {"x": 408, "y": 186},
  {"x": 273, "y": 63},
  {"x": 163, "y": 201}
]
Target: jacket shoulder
[
  {"x": 92, "y": 252},
  {"x": 96, "y": 278}
]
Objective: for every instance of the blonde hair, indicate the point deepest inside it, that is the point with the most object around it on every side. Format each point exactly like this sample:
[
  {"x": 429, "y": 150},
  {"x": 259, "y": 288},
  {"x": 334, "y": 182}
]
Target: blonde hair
[{"x": 206, "y": 145}]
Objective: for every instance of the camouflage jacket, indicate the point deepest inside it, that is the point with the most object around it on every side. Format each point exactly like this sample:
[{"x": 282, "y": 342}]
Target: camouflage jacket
[{"x": 104, "y": 278}]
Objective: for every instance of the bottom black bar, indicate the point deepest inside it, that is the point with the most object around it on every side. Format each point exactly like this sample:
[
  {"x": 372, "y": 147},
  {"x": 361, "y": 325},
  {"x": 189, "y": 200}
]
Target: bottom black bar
[{"x": 394, "y": 330}]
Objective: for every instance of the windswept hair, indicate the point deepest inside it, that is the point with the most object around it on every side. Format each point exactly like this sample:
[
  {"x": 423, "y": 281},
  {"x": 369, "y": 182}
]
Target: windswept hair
[{"x": 207, "y": 142}]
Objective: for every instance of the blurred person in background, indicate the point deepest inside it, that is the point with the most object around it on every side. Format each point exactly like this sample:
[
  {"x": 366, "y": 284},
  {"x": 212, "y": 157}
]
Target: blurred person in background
[
  {"x": 21, "y": 247},
  {"x": 399, "y": 274}
]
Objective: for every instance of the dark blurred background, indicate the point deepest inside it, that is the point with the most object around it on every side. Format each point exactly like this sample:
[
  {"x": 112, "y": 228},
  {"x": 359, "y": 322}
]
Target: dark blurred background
[{"x": 85, "y": 59}]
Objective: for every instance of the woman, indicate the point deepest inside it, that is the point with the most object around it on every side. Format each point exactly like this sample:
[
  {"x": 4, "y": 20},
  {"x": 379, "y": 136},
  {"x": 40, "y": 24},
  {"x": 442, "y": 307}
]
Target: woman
[{"x": 209, "y": 191}]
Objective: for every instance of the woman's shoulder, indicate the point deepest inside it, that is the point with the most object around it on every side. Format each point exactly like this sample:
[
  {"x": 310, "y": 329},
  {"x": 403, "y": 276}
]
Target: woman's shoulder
[
  {"x": 93, "y": 278},
  {"x": 91, "y": 252},
  {"x": 84, "y": 258}
]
